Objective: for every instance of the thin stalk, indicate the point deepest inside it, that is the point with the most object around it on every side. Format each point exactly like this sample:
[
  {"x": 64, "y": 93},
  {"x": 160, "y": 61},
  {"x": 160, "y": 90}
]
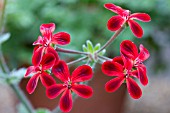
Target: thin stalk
[
  {"x": 70, "y": 51},
  {"x": 111, "y": 39},
  {"x": 2, "y": 17},
  {"x": 78, "y": 60},
  {"x": 104, "y": 58}
]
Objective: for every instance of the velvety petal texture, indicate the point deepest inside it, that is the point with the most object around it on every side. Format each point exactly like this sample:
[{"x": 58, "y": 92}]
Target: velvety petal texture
[
  {"x": 61, "y": 38},
  {"x": 144, "y": 53},
  {"x": 32, "y": 83},
  {"x": 140, "y": 16},
  {"x": 114, "y": 8},
  {"x": 112, "y": 68},
  {"x": 115, "y": 23},
  {"x": 46, "y": 79},
  {"x": 47, "y": 28},
  {"x": 37, "y": 56},
  {"x": 119, "y": 60},
  {"x": 142, "y": 75},
  {"x": 48, "y": 61},
  {"x": 133, "y": 88},
  {"x": 52, "y": 51},
  {"x": 82, "y": 73},
  {"x": 129, "y": 49},
  {"x": 66, "y": 102},
  {"x": 114, "y": 84},
  {"x": 55, "y": 90},
  {"x": 82, "y": 90},
  {"x": 136, "y": 28},
  {"x": 61, "y": 71}
]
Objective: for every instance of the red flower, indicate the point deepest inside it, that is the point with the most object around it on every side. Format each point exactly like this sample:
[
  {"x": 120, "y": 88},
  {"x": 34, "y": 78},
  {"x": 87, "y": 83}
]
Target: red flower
[
  {"x": 80, "y": 74},
  {"x": 124, "y": 16},
  {"x": 134, "y": 59},
  {"x": 116, "y": 68},
  {"x": 42, "y": 43},
  {"x": 46, "y": 63}
]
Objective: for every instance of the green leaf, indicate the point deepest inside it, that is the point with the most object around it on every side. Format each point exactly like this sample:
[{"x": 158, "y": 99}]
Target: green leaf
[
  {"x": 89, "y": 46},
  {"x": 97, "y": 47},
  {"x": 42, "y": 110},
  {"x": 102, "y": 52},
  {"x": 4, "y": 37},
  {"x": 84, "y": 48}
]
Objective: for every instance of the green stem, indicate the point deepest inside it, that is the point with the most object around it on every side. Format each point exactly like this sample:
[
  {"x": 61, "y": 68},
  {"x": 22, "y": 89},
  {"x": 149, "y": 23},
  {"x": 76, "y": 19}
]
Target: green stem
[
  {"x": 111, "y": 39},
  {"x": 70, "y": 51},
  {"x": 78, "y": 60},
  {"x": 2, "y": 17}
]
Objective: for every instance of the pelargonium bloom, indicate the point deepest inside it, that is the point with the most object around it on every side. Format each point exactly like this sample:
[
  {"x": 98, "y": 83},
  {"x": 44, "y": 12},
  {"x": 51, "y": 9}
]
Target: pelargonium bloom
[
  {"x": 116, "y": 68},
  {"x": 48, "y": 38},
  {"x": 70, "y": 84},
  {"x": 39, "y": 71},
  {"x": 133, "y": 59},
  {"x": 125, "y": 16}
]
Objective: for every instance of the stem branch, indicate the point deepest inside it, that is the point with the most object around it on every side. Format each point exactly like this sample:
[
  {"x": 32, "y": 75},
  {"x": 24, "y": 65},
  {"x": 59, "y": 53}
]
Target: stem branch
[
  {"x": 78, "y": 60},
  {"x": 70, "y": 51}
]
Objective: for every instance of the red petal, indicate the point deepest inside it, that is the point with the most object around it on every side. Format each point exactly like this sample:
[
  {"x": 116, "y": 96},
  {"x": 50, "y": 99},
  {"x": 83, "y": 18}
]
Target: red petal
[
  {"x": 39, "y": 41},
  {"x": 48, "y": 61},
  {"x": 114, "y": 8},
  {"x": 112, "y": 68},
  {"x": 114, "y": 84},
  {"x": 133, "y": 88},
  {"x": 140, "y": 16},
  {"x": 115, "y": 22},
  {"x": 119, "y": 60},
  {"x": 52, "y": 51},
  {"x": 37, "y": 56},
  {"x": 82, "y": 90},
  {"x": 128, "y": 62},
  {"x": 30, "y": 70},
  {"x": 144, "y": 53},
  {"x": 32, "y": 83},
  {"x": 142, "y": 75},
  {"x": 66, "y": 102},
  {"x": 55, "y": 90},
  {"x": 82, "y": 73},
  {"x": 44, "y": 28},
  {"x": 61, "y": 71},
  {"x": 61, "y": 38},
  {"x": 129, "y": 49},
  {"x": 135, "y": 73},
  {"x": 136, "y": 28},
  {"x": 46, "y": 79}
]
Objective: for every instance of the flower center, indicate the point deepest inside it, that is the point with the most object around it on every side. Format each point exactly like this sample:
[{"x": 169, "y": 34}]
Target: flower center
[
  {"x": 126, "y": 14},
  {"x": 68, "y": 84}
]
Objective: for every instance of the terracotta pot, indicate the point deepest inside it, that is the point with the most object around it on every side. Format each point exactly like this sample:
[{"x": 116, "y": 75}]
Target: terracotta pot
[{"x": 100, "y": 102}]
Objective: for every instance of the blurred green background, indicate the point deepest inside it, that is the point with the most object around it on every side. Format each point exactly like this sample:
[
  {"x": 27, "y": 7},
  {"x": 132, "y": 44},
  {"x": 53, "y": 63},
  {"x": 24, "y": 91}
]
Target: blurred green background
[{"x": 83, "y": 19}]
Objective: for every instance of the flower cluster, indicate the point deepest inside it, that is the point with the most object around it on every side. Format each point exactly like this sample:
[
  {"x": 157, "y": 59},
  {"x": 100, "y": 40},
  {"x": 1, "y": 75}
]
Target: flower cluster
[{"x": 125, "y": 68}]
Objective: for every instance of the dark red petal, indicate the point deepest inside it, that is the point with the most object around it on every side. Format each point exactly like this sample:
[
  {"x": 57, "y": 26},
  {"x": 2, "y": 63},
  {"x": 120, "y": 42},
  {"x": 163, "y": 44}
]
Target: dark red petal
[
  {"x": 49, "y": 27},
  {"x": 114, "y": 8},
  {"x": 114, "y": 84},
  {"x": 61, "y": 71},
  {"x": 46, "y": 79},
  {"x": 112, "y": 68},
  {"x": 144, "y": 53},
  {"x": 52, "y": 51},
  {"x": 61, "y": 38},
  {"x": 32, "y": 83},
  {"x": 115, "y": 22},
  {"x": 66, "y": 102},
  {"x": 128, "y": 62},
  {"x": 55, "y": 90},
  {"x": 48, "y": 61},
  {"x": 119, "y": 60},
  {"x": 82, "y": 90},
  {"x": 39, "y": 41},
  {"x": 30, "y": 69},
  {"x": 142, "y": 75},
  {"x": 82, "y": 73},
  {"x": 37, "y": 56},
  {"x": 129, "y": 49},
  {"x": 133, "y": 88},
  {"x": 136, "y": 28},
  {"x": 135, "y": 73},
  {"x": 140, "y": 16}
]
